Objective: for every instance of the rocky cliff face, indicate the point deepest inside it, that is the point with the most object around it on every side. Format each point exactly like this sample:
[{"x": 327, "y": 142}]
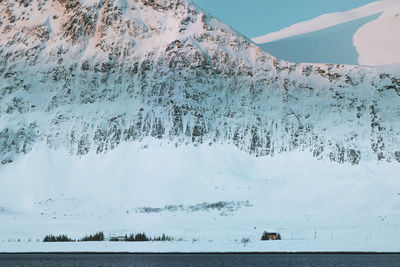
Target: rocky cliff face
[{"x": 89, "y": 75}]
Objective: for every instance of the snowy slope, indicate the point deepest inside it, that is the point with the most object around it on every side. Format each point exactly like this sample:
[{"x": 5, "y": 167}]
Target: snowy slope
[
  {"x": 107, "y": 107},
  {"x": 377, "y": 42},
  {"x": 331, "y": 45},
  {"x": 360, "y": 36},
  {"x": 210, "y": 197}
]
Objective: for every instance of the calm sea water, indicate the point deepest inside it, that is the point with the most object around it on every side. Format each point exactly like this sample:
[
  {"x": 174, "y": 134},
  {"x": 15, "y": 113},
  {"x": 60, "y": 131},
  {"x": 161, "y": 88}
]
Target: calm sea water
[{"x": 117, "y": 260}]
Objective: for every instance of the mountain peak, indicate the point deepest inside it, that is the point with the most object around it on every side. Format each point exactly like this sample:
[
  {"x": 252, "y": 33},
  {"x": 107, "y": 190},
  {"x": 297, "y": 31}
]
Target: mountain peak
[
  {"x": 87, "y": 76},
  {"x": 96, "y": 28}
]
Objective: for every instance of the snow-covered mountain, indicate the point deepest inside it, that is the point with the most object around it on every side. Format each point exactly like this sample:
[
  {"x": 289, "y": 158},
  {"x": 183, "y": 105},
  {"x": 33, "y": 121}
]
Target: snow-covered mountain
[
  {"x": 87, "y": 76},
  {"x": 364, "y": 35},
  {"x": 107, "y": 106}
]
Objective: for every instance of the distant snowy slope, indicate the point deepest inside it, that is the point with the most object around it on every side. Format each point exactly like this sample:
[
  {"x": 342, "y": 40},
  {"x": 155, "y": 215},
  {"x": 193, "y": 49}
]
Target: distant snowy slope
[
  {"x": 342, "y": 37},
  {"x": 330, "y": 45},
  {"x": 378, "y": 42},
  {"x": 325, "y": 21}
]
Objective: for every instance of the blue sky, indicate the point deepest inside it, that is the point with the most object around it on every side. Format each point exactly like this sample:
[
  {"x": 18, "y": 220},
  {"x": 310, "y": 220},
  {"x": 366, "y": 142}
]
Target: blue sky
[{"x": 258, "y": 17}]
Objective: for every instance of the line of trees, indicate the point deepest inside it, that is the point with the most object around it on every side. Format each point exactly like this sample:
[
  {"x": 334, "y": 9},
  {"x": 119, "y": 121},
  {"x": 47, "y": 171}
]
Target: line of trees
[
  {"x": 142, "y": 237},
  {"x": 99, "y": 236},
  {"x": 58, "y": 238}
]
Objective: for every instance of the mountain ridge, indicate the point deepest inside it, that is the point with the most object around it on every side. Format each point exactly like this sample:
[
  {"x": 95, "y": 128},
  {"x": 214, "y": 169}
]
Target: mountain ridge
[{"x": 100, "y": 73}]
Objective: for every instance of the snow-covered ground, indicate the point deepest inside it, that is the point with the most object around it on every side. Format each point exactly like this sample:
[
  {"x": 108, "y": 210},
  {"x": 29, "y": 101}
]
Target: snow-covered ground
[
  {"x": 76, "y": 116},
  {"x": 219, "y": 246},
  {"x": 209, "y": 197},
  {"x": 365, "y": 35}
]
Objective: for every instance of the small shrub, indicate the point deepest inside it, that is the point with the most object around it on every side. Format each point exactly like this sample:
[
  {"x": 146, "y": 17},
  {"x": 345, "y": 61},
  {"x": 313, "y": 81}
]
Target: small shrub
[
  {"x": 114, "y": 239},
  {"x": 59, "y": 238},
  {"x": 278, "y": 237},
  {"x": 96, "y": 237},
  {"x": 265, "y": 236},
  {"x": 245, "y": 240}
]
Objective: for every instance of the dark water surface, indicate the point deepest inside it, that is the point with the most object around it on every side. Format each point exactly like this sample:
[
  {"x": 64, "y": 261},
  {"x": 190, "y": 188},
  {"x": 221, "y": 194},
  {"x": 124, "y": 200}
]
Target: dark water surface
[{"x": 118, "y": 260}]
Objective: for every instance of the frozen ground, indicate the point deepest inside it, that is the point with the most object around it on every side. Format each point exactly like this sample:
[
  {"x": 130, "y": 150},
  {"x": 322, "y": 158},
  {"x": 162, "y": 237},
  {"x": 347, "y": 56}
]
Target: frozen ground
[
  {"x": 209, "y": 197},
  {"x": 207, "y": 246}
]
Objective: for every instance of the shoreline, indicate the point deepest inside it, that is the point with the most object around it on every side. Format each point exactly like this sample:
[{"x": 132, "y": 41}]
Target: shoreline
[{"x": 206, "y": 253}]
